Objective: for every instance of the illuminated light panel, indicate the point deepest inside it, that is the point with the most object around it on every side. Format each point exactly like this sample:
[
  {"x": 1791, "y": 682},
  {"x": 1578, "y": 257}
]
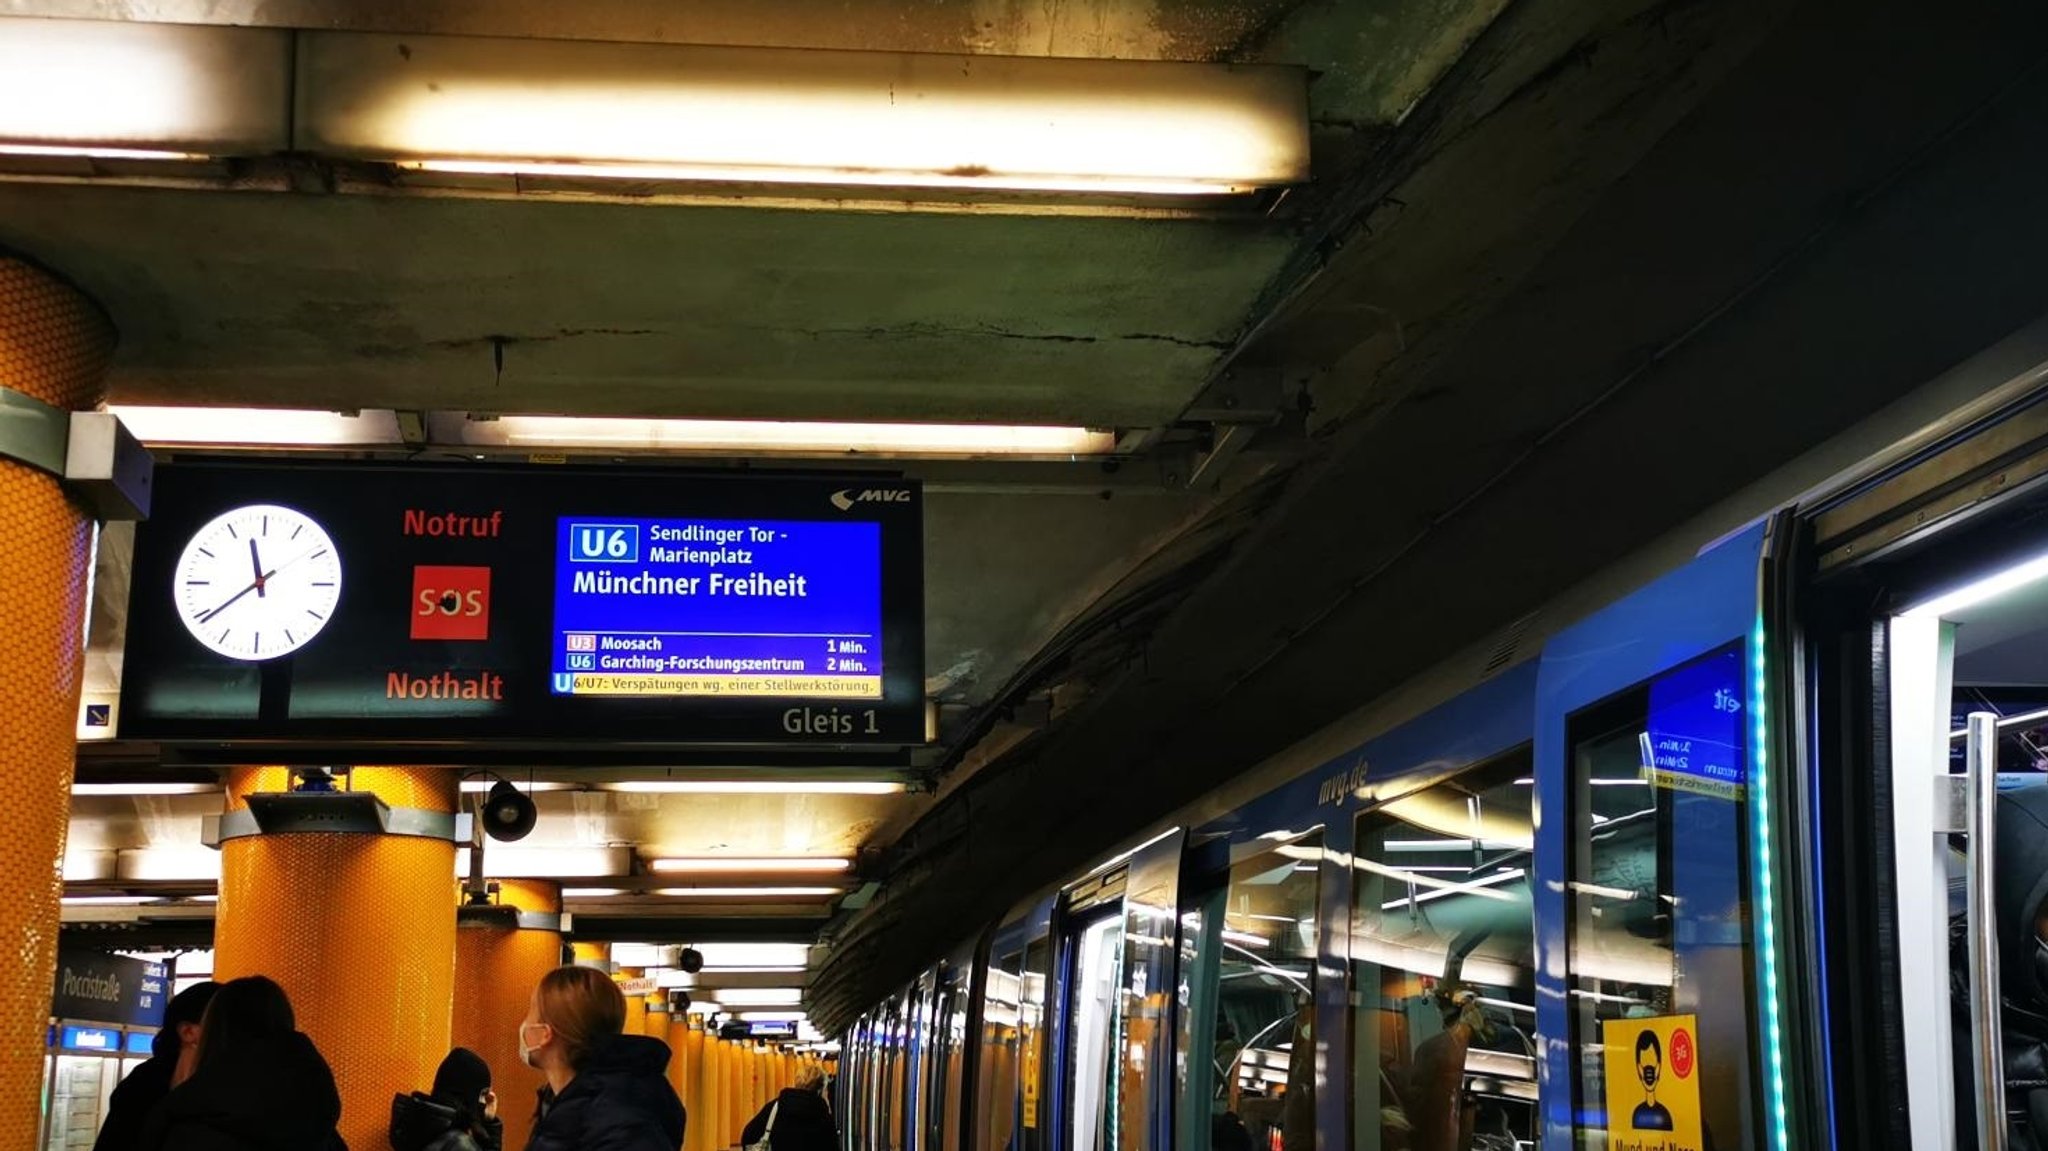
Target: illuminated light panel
[
  {"x": 131, "y": 90},
  {"x": 145, "y": 789},
  {"x": 515, "y": 861},
  {"x": 788, "y": 436},
  {"x": 772, "y": 1017},
  {"x": 483, "y": 786},
  {"x": 759, "y": 787},
  {"x": 791, "y": 116},
  {"x": 747, "y": 892},
  {"x": 589, "y": 892},
  {"x": 753, "y": 954},
  {"x": 108, "y": 900},
  {"x": 727, "y": 865},
  {"x": 86, "y": 153},
  {"x": 1980, "y": 591},
  {"x": 257, "y": 427},
  {"x": 1246, "y": 939},
  {"x": 169, "y": 863},
  {"x": 756, "y": 996}
]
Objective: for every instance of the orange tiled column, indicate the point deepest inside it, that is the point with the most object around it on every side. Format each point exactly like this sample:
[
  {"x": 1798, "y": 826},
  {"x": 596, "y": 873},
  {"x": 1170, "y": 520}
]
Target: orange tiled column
[
  {"x": 497, "y": 966},
  {"x": 54, "y": 345},
  {"x": 360, "y": 931}
]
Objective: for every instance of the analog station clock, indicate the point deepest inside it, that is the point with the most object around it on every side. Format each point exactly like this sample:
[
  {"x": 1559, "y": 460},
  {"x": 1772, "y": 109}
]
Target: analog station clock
[{"x": 258, "y": 582}]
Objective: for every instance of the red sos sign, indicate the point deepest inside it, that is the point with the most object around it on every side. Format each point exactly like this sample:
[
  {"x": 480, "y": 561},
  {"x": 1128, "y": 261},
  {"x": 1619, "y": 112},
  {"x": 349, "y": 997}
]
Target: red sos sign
[{"x": 451, "y": 603}]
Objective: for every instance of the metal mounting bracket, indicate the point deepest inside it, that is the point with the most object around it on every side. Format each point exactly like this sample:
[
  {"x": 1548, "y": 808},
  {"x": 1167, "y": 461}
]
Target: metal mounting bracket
[{"x": 98, "y": 460}]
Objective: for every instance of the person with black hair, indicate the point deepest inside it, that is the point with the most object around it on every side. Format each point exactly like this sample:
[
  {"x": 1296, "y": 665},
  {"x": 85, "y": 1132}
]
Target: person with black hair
[
  {"x": 798, "y": 1119},
  {"x": 1650, "y": 1115},
  {"x": 253, "y": 1082},
  {"x": 459, "y": 1114},
  {"x": 145, "y": 1087}
]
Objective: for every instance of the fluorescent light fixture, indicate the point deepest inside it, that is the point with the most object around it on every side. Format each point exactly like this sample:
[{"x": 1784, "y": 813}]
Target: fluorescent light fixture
[
  {"x": 145, "y": 789},
  {"x": 191, "y": 864},
  {"x": 1246, "y": 939},
  {"x": 771, "y": 1017},
  {"x": 588, "y": 892},
  {"x": 483, "y": 786},
  {"x": 760, "y": 786},
  {"x": 793, "y": 437},
  {"x": 737, "y": 955},
  {"x": 517, "y": 861},
  {"x": 758, "y": 996},
  {"x": 798, "y": 864},
  {"x": 702, "y": 1007},
  {"x": 257, "y": 427},
  {"x": 138, "y": 91},
  {"x": 747, "y": 892},
  {"x": 1980, "y": 591},
  {"x": 792, "y": 116},
  {"x": 108, "y": 900},
  {"x": 84, "y": 865}
]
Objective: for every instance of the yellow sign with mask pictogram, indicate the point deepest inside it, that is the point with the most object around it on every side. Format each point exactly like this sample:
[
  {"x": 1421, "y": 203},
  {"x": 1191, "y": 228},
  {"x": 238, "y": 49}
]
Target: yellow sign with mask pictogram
[{"x": 1653, "y": 1083}]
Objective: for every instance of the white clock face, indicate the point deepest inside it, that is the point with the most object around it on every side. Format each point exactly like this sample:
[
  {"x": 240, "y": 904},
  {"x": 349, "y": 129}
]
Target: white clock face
[{"x": 258, "y": 582}]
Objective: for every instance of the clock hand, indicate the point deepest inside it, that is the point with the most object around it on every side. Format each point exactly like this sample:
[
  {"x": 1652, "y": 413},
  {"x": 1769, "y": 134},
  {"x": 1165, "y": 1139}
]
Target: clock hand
[
  {"x": 266, "y": 577},
  {"x": 256, "y": 565},
  {"x": 208, "y": 617}
]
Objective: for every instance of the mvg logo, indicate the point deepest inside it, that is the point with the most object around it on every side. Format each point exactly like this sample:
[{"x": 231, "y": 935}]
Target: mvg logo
[{"x": 845, "y": 498}]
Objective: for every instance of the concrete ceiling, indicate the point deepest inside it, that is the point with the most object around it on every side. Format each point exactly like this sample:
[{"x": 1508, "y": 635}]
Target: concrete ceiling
[{"x": 266, "y": 290}]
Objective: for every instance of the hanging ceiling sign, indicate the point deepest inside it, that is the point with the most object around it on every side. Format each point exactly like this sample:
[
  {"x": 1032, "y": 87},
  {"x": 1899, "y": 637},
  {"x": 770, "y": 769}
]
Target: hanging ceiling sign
[
  {"x": 94, "y": 987},
  {"x": 400, "y": 605}
]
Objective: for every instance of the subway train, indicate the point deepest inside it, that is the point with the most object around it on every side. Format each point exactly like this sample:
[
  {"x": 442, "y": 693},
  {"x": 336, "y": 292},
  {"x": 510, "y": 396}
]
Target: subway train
[{"x": 1705, "y": 855}]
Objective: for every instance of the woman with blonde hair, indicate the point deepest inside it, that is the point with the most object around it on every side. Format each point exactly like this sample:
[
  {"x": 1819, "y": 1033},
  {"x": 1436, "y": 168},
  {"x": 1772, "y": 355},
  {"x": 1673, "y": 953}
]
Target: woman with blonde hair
[
  {"x": 798, "y": 1119},
  {"x": 605, "y": 1091}
]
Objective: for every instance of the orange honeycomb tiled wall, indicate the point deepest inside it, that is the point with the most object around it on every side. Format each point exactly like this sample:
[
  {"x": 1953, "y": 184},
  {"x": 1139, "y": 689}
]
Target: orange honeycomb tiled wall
[
  {"x": 360, "y": 931},
  {"x": 496, "y": 970},
  {"x": 54, "y": 346}
]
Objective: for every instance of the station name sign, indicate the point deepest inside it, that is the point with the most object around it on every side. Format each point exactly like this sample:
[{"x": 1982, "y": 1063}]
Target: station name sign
[{"x": 384, "y": 604}]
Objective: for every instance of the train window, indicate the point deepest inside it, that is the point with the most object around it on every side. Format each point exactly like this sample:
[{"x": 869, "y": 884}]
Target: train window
[
  {"x": 1659, "y": 964},
  {"x": 1092, "y": 1046},
  {"x": 1254, "y": 954},
  {"x": 1031, "y": 990},
  {"x": 947, "y": 1094},
  {"x": 996, "y": 1076},
  {"x": 1443, "y": 966}
]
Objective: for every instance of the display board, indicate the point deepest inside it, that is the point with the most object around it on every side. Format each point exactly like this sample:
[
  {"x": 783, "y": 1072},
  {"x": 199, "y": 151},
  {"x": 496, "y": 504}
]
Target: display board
[
  {"x": 339, "y": 603},
  {"x": 95, "y": 987}
]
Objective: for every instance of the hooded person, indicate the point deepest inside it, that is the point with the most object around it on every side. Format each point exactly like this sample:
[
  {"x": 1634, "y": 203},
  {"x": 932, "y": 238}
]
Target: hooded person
[
  {"x": 256, "y": 1082},
  {"x": 459, "y": 1114},
  {"x": 798, "y": 1119},
  {"x": 605, "y": 1090},
  {"x": 145, "y": 1087}
]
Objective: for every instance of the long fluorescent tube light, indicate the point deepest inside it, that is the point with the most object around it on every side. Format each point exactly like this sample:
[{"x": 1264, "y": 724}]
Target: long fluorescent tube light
[
  {"x": 145, "y": 789},
  {"x": 758, "y": 996},
  {"x": 820, "y": 437},
  {"x": 753, "y": 954},
  {"x": 1980, "y": 591},
  {"x": 760, "y": 786},
  {"x": 129, "y": 90},
  {"x": 794, "y": 116},
  {"x": 771, "y": 1017},
  {"x": 590, "y": 892},
  {"x": 1246, "y": 939},
  {"x": 483, "y": 786},
  {"x": 108, "y": 900},
  {"x": 747, "y": 892},
  {"x": 812, "y": 865},
  {"x": 258, "y": 427},
  {"x": 517, "y": 861}
]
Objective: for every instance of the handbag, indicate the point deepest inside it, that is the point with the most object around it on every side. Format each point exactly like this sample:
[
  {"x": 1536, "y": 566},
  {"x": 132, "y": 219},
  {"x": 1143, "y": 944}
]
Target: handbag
[{"x": 767, "y": 1140}]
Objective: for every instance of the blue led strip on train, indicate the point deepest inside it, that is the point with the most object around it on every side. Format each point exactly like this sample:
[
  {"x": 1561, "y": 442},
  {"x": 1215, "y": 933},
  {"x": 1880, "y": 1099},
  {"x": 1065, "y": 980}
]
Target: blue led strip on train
[{"x": 1760, "y": 787}]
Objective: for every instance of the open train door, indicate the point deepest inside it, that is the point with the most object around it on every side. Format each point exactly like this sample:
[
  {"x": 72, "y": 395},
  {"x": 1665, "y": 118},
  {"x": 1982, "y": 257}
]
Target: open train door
[
  {"x": 1659, "y": 991},
  {"x": 1926, "y": 628}
]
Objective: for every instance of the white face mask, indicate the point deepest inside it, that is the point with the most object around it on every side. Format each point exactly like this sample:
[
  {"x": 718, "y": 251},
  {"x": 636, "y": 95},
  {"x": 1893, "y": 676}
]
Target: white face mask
[{"x": 525, "y": 1052}]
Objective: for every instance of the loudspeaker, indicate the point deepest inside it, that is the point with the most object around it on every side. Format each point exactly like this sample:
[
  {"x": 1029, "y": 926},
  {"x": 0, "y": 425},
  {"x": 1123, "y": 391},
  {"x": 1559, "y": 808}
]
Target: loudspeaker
[
  {"x": 508, "y": 815},
  {"x": 691, "y": 960}
]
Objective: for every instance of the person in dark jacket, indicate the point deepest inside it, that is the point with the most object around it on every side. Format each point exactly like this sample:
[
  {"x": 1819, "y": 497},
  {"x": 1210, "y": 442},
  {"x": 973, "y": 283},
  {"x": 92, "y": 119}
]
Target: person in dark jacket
[
  {"x": 802, "y": 1120},
  {"x": 605, "y": 1091},
  {"x": 459, "y": 1114},
  {"x": 128, "y": 1110},
  {"x": 255, "y": 1082}
]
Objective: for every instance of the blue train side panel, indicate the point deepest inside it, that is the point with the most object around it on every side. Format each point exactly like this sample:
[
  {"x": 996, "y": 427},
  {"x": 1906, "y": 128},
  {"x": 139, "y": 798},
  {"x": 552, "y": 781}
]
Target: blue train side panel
[{"x": 1708, "y": 604}]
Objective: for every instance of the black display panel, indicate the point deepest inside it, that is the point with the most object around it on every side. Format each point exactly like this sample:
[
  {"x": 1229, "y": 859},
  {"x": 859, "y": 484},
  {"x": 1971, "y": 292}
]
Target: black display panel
[{"x": 339, "y": 604}]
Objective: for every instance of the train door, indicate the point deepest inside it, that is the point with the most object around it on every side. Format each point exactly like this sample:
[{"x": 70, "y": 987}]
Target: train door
[
  {"x": 1117, "y": 941},
  {"x": 1249, "y": 942},
  {"x": 1658, "y": 981}
]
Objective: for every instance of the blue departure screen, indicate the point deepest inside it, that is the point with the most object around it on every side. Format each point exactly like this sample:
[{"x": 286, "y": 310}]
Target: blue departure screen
[
  {"x": 680, "y": 607},
  {"x": 1695, "y": 736}
]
